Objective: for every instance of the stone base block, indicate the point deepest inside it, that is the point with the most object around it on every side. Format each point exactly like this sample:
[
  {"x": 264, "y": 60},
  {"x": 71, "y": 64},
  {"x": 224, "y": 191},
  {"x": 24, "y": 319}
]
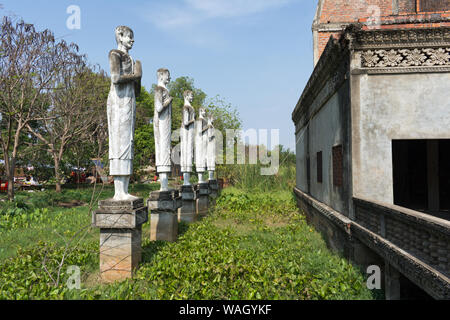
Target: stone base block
[
  {"x": 188, "y": 211},
  {"x": 120, "y": 253},
  {"x": 202, "y": 199},
  {"x": 120, "y": 224},
  {"x": 164, "y": 215},
  {"x": 213, "y": 188},
  {"x": 163, "y": 226}
]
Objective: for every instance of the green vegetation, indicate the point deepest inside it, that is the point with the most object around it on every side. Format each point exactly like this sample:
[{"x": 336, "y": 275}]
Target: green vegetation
[{"x": 254, "y": 245}]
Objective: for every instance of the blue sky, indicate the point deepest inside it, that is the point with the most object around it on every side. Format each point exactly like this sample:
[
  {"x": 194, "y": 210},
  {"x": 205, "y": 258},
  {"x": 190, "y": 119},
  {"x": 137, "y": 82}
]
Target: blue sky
[{"x": 256, "y": 54}]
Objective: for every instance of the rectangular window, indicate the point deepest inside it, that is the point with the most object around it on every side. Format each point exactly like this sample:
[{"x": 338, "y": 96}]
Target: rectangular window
[
  {"x": 338, "y": 165},
  {"x": 308, "y": 171},
  {"x": 319, "y": 167},
  {"x": 421, "y": 175},
  {"x": 433, "y": 5}
]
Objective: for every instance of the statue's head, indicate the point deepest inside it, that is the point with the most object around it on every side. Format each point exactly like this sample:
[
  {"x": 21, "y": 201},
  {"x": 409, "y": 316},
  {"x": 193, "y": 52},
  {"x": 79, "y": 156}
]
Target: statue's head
[
  {"x": 189, "y": 95},
  {"x": 202, "y": 113},
  {"x": 163, "y": 76},
  {"x": 125, "y": 37},
  {"x": 211, "y": 119}
]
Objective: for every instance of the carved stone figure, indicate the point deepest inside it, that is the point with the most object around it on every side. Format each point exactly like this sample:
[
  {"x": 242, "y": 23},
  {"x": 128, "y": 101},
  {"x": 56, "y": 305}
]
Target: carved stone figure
[
  {"x": 211, "y": 148},
  {"x": 187, "y": 137},
  {"x": 162, "y": 124},
  {"x": 201, "y": 144},
  {"x": 126, "y": 77}
]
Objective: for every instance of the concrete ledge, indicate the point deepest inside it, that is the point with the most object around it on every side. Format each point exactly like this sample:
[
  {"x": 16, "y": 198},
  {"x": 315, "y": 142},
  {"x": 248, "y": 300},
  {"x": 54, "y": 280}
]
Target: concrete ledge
[
  {"x": 130, "y": 220},
  {"x": 429, "y": 279}
]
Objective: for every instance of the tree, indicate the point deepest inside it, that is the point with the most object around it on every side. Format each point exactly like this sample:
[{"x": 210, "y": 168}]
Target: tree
[
  {"x": 143, "y": 136},
  {"x": 78, "y": 102},
  {"x": 29, "y": 61}
]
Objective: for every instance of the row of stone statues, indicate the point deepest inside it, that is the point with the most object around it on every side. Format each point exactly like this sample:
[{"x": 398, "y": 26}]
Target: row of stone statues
[
  {"x": 126, "y": 75},
  {"x": 120, "y": 219}
]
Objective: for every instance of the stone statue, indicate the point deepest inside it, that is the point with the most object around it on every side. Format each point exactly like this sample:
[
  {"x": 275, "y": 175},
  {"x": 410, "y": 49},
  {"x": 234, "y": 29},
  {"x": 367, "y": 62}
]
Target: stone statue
[
  {"x": 187, "y": 137},
  {"x": 126, "y": 77},
  {"x": 211, "y": 148},
  {"x": 201, "y": 145},
  {"x": 162, "y": 124}
]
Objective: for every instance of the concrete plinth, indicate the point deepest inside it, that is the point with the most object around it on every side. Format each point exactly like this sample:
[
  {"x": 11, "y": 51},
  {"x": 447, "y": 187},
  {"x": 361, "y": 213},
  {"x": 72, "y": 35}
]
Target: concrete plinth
[
  {"x": 188, "y": 211},
  {"x": 202, "y": 199},
  {"x": 120, "y": 224},
  {"x": 213, "y": 191},
  {"x": 163, "y": 206}
]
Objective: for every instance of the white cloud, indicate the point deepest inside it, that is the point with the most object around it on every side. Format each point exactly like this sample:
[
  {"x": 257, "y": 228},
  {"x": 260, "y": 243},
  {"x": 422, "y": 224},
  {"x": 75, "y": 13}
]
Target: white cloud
[{"x": 186, "y": 13}]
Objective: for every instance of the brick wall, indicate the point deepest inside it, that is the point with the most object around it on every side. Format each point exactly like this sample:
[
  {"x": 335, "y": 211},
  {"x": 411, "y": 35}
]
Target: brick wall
[
  {"x": 334, "y": 15},
  {"x": 337, "y": 11}
]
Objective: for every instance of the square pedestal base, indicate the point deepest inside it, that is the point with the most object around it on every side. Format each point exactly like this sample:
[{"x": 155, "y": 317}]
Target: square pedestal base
[
  {"x": 120, "y": 253},
  {"x": 120, "y": 224},
  {"x": 202, "y": 199},
  {"x": 188, "y": 211},
  {"x": 163, "y": 226},
  {"x": 164, "y": 215}
]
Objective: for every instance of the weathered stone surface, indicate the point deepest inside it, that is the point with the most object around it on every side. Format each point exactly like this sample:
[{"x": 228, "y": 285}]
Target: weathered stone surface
[
  {"x": 164, "y": 201},
  {"x": 187, "y": 193},
  {"x": 213, "y": 188},
  {"x": 202, "y": 199},
  {"x": 120, "y": 224},
  {"x": 117, "y": 220},
  {"x": 163, "y": 226},
  {"x": 188, "y": 211},
  {"x": 112, "y": 204},
  {"x": 120, "y": 253},
  {"x": 126, "y": 74},
  {"x": 164, "y": 215}
]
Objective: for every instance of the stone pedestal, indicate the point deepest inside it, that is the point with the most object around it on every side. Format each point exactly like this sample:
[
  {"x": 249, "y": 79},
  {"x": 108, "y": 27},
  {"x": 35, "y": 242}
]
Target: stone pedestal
[
  {"x": 213, "y": 191},
  {"x": 163, "y": 206},
  {"x": 188, "y": 211},
  {"x": 120, "y": 224},
  {"x": 202, "y": 199}
]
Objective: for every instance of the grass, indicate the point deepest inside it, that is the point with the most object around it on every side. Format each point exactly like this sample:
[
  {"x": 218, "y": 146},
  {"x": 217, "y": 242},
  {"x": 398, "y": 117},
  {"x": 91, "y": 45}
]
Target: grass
[{"x": 254, "y": 245}]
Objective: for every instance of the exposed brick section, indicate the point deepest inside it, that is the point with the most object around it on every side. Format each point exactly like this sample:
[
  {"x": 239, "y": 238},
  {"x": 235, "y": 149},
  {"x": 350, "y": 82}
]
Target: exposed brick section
[
  {"x": 337, "y": 11},
  {"x": 394, "y": 14},
  {"x": 324, "y": 37}
]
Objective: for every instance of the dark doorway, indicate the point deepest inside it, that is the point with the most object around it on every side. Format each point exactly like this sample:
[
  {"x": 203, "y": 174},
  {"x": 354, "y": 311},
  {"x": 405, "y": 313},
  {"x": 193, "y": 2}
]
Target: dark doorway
[{"x": 421, "y": 175}]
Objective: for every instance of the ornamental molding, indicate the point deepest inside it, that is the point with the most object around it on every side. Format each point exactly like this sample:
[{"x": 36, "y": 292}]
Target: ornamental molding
[
  {"x": 397, "y": 58},
  {"x": 423, "y": 50},
  {"x": 398, "y": 38}
]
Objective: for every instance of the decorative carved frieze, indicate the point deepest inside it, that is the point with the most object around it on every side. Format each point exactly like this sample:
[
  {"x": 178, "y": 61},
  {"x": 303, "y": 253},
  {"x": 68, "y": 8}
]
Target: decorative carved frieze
[
  {"x": 400, "y": 38},
  {"x": 405, "y": 57}
]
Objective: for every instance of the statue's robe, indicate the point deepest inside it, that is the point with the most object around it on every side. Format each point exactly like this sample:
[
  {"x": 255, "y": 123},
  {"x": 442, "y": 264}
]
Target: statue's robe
[
  {"x": 187, "y": 139},
  {"x": 201, "y": 142},
  {"x": 162, "y": 125},
  {"x": 211, "y": 149},
  {"x": 121, "y": 110}
]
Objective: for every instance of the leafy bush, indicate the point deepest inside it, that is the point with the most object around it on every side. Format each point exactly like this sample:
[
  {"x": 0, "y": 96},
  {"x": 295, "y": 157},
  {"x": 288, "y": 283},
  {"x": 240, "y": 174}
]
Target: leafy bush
[{"x": 255, "y": 245}]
